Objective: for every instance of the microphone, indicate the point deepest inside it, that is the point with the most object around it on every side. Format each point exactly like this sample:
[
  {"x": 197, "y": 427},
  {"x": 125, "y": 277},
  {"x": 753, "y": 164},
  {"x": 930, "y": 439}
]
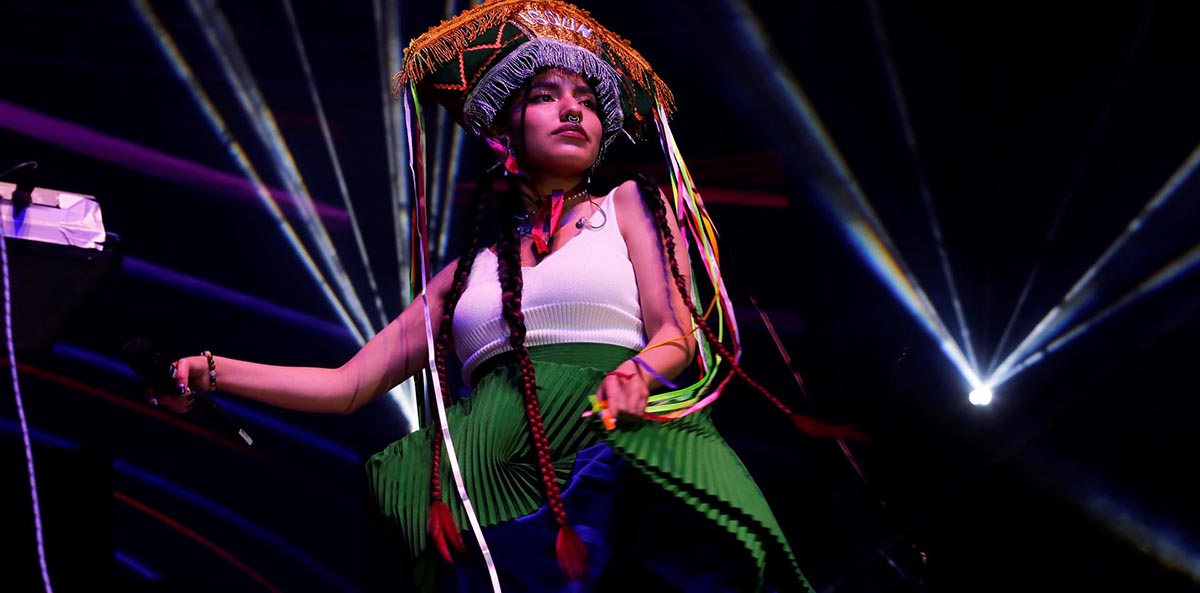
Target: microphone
[
  {"x": 144, "y": 359},
  {"x": 22, "y": 195}
]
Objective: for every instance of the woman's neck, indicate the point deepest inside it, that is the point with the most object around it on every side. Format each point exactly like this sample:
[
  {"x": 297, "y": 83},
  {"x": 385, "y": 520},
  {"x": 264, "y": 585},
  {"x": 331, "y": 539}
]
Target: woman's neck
[{"x": 570, "y": 187}]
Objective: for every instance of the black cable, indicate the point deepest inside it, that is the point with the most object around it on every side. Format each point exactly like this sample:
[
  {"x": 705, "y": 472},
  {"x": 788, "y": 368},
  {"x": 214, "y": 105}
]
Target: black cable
[{"x": 30, "y": 164}]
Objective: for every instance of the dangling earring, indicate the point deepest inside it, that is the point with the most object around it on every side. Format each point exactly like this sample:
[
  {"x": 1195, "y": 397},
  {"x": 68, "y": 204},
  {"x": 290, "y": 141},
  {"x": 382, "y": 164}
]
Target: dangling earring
[{"x": 502, "y": 148}]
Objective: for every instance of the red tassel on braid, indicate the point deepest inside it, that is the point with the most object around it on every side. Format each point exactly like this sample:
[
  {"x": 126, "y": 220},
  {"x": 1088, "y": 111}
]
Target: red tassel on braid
[
  {"x": 442, "y": 529},
  {"x": 569, "y": 548},
  {"x": 572, "y": 553},
  {"x": 809, "y": 425}
]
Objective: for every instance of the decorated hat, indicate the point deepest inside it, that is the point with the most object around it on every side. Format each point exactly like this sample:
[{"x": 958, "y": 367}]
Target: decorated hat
[{"x": 472, "y": 63}]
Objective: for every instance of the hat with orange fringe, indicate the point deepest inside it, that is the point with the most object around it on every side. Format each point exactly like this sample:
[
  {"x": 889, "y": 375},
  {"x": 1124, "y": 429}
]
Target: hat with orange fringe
[{"x": 472, "y": 63}]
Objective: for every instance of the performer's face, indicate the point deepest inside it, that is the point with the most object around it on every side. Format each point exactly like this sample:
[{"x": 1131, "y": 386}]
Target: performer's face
[{"x": 562, "y": 126}]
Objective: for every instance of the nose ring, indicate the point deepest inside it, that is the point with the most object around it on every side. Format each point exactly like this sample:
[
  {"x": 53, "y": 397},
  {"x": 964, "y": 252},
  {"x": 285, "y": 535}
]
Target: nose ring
[{"x": 573, "y": 118}]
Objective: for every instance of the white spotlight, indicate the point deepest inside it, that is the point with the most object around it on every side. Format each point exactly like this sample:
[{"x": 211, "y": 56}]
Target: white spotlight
[{"x": 980, "y": 396}]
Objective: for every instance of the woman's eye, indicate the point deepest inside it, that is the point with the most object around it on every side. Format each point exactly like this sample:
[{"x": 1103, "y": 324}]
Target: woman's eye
[
  {"x": 542, "y": 98},
  {"x": 589, "y": 103}
]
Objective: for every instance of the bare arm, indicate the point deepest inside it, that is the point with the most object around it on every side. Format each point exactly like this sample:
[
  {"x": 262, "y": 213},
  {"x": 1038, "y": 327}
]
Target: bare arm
[
  {"x": 392, "y": 356},
  {"x": 666, "y": 318}
]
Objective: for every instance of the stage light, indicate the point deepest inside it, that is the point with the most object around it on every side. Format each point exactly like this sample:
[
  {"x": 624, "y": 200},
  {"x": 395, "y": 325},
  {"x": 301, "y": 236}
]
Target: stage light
[
  {"x": 1061, "y": 325},
  {"x": 980, "y": 396},
  {"x": 843, "y": 196}
]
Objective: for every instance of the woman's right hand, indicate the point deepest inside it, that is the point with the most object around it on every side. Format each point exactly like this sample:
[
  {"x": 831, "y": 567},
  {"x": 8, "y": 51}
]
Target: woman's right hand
[{"x": 623, "y": 393}]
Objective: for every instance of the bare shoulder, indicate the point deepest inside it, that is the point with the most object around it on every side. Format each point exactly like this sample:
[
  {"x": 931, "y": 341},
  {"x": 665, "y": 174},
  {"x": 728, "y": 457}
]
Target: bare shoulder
[
  {"x": 630, "y": 207},
  {"x": 628, "y": 195}
]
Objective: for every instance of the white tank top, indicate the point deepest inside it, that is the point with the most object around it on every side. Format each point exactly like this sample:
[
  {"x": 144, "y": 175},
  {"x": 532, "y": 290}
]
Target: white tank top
[{"x": 583, "y": 292}]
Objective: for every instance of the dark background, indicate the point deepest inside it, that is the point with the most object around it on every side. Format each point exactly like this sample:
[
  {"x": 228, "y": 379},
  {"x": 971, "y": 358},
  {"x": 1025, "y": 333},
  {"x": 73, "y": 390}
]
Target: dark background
[{"x": 1032, "y": 132}]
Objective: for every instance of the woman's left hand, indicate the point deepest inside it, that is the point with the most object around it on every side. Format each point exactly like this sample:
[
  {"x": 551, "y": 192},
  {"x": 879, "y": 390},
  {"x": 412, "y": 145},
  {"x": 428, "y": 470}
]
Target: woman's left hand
[{"x": 624, "y": 393}]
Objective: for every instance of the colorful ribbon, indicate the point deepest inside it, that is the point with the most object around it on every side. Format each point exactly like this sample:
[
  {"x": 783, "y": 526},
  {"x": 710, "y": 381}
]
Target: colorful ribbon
[{"x": 545, "y": 222}]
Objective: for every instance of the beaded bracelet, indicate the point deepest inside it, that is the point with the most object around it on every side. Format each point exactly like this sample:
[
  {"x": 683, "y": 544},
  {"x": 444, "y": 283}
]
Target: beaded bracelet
[{"x": 212, "y": 370}]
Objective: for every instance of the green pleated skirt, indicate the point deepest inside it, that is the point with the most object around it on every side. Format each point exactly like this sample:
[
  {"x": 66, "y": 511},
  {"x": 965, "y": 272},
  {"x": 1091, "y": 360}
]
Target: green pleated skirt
[{"x": 687, "y": 459}]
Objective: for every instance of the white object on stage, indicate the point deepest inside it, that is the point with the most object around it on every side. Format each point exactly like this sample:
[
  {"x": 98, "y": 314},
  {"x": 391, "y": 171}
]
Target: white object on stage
[{"x": 54, "y": 216}]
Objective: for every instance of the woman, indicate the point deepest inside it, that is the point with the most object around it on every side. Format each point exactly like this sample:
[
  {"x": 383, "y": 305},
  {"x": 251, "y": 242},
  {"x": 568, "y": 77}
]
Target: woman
[{"x": 565, "y": 326}]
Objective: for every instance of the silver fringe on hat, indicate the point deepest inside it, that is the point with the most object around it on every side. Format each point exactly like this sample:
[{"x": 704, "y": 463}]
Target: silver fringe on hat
[{"x": 503, "y": 79}]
